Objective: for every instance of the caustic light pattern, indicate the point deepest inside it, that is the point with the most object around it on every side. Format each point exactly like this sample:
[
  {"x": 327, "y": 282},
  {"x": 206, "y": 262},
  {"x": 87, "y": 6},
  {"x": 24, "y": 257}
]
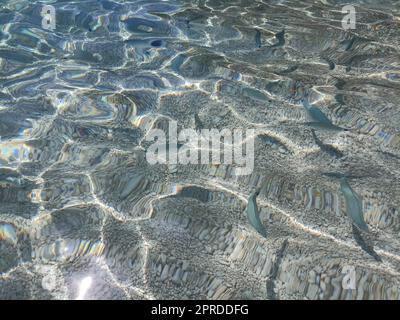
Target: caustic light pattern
[{"x": 84, "y": 215}]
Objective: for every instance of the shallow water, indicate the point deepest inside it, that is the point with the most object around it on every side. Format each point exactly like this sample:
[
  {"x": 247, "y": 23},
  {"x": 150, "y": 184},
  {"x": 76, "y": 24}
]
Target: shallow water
[{"x": 84, "y": 215}]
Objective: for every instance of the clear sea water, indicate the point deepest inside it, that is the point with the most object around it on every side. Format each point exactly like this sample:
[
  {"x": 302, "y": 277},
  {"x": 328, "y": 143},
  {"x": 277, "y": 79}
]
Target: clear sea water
[{"x": 83, "y": 215}]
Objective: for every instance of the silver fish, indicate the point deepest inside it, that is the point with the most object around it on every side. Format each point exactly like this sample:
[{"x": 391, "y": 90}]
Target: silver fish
[
  {"x": 353, "y": 205},
  {"x": 320, "y": 120},
  {"x": 258, "y": 38},
  {"x": 253, "y": 215}
]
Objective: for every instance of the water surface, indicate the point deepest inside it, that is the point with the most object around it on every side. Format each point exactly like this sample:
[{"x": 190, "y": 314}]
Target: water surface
[{"x": 84, "y": 215}]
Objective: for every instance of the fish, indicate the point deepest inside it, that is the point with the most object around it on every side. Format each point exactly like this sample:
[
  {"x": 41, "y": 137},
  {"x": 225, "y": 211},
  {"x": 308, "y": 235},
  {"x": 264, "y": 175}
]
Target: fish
[
  {"x": 253, "y": 214},
  {"x": 319, "y": 116},
  {"x": 320, "y": 119},
  {"x": 197, "y": 122},
  {"x": 131, "y": 185},
  {"x": 84, "y": 21},
  {"x": 258, "y": 38},
  {"x": 254, "y": 94},
  {"x": 353, "y": 205},
  {"x": 177, "y": 62},
  {"x": 288, "y": 70},
  {"x": 319, "y": 125},
  {"x": 347, "y": 44}
]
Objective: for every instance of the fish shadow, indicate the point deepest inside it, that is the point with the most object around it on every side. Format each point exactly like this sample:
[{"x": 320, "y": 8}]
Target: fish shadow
[{"x": 364, "y": 245}]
